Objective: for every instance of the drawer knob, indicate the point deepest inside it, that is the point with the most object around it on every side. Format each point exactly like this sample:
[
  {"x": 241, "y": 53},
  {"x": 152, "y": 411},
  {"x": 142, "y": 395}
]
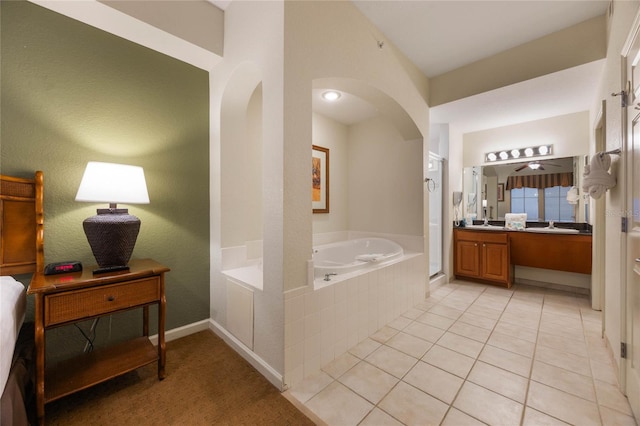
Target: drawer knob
[{"x": 111, "y": 298}]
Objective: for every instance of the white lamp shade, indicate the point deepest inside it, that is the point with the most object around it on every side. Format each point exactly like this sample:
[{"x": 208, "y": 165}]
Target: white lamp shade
[{"x": 113, "y": 183}]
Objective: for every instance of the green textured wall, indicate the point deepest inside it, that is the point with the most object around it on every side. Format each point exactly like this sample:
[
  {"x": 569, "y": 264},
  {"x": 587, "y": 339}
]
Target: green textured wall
[{"x": 71, "y": 93}]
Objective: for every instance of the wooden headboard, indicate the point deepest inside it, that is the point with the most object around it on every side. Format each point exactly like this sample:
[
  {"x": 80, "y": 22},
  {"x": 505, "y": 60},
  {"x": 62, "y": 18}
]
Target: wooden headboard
[{"x": 21, "y": 225}]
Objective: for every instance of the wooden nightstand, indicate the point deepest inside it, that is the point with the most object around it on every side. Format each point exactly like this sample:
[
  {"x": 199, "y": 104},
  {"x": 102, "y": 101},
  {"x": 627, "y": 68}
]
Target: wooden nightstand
[{"x": 65, "y": 299}]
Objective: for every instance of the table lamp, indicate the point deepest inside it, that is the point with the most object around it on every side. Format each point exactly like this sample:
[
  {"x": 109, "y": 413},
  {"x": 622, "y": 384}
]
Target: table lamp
[{"x": 112, "y": 233}]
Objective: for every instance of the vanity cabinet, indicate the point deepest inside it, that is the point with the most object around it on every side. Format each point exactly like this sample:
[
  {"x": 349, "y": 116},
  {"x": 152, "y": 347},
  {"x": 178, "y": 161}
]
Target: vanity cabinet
[
  {"x": 482, "y": 256},
  {"x": 558, "y": 252}
]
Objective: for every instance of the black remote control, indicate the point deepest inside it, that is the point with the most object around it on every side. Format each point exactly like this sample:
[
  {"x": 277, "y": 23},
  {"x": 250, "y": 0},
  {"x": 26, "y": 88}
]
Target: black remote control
[{"x": 109, "y": 269}]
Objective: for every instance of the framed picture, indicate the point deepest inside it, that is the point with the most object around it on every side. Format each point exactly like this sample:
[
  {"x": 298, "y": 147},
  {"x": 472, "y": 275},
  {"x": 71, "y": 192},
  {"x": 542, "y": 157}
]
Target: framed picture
[
  {"x": 501, "y": 192},
  {"x": 320, "y": 179}
]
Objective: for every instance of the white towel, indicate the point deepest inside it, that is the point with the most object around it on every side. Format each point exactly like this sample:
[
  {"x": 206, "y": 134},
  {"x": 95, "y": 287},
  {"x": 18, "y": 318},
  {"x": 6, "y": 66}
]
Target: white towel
[
  {"x": 597, "y": 179},
  {"x": 572, "y": 195},
  {"x": 516, "y": 221},
  {"x": 370, "y": 257}
]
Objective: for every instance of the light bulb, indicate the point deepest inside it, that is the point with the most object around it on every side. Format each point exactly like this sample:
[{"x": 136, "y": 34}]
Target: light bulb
[{"x": 331, "y": 95}]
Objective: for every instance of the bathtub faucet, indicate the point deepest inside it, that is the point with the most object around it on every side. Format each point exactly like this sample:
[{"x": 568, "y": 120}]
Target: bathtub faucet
[{"x": 327, "y": 277}]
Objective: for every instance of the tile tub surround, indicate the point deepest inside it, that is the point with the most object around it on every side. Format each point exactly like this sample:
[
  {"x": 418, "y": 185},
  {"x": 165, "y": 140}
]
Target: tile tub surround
[
  {"x": 475, "y": 354},
  {"x": 320, "y": 325}
]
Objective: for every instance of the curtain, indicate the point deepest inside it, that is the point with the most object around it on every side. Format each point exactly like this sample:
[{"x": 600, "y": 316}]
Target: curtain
[{"x": 540, "y": 181}]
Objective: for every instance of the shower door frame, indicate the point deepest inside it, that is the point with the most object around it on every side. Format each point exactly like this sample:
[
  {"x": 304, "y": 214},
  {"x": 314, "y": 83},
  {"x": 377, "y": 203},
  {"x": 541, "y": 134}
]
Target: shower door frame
[{"x": 439, "y": 187}]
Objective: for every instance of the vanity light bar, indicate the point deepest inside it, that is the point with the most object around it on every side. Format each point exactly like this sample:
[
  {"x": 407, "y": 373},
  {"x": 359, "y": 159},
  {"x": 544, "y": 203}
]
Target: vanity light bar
[{"x": 529, "y": 152}]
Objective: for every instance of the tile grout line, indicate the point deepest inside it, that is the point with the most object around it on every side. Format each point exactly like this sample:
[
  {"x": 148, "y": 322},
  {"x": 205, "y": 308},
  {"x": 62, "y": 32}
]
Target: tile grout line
[
  {"x": 485, "y": 344},
  {"x": 446, "y": 330},
  {"x": 593, "y": 379},
  {"x": 470, "y": 369},
  {"x": 524, "y": 404},
  {"x": 418, "y": 360},
  {"x": 412, "y": 320},
  {"x": 554, "y": 387},
  {"x": 533, "y": 357},
  {"x": 375, "y": 405},
  {"x": 412, "y": 367},
  {"x": 476, "y": 359}
]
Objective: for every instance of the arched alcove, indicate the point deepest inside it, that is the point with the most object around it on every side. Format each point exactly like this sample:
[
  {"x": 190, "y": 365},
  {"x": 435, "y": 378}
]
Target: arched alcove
[
  {"x": 384, "y": 104},
  {"x": 376, "y": 158},
  {"x": 241, "y": 160}
]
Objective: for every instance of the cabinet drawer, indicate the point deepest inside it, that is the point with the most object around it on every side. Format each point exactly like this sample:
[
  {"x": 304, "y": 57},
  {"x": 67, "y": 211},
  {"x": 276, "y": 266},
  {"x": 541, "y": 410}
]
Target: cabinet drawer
[
  {"x": 483, "y": 236},
  {"x": 84, "y": 303}
]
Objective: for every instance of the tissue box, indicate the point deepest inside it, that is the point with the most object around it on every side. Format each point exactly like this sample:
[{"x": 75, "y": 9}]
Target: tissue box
[{"x": 515, "y": 221}]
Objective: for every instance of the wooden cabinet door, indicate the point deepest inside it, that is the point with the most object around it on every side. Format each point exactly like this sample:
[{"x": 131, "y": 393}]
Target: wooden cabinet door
[
  {"x": 495, "y": 262},
  {"x": 467, "y": 259}
]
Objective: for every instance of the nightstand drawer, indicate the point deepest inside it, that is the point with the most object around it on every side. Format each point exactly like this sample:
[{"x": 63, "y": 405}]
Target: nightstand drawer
[{"x": 85, "y": 303}]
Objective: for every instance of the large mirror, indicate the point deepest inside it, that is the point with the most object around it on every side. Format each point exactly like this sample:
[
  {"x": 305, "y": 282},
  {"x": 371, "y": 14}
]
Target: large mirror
[{"x": 545, "y": 189}]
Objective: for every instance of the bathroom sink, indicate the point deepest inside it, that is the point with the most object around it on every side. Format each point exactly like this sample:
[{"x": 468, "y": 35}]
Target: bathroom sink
[
  {"x": 553, "y": 230},
  {"x": 486, "y": 227}
]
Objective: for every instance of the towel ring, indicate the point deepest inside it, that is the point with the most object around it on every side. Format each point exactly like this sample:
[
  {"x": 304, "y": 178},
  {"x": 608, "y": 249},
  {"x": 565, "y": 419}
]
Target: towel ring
[{"x": 431, "y": 184}]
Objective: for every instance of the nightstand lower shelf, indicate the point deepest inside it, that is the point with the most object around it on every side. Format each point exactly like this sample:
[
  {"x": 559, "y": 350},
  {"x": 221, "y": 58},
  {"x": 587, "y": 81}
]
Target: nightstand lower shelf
[{"x": 98, "y": 366}]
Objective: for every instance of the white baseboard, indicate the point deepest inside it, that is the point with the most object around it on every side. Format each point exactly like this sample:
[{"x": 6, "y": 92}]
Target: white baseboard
[
  {"x": 258, "y": 363},
  {"x": 183, "y": 331},
  {"x": 252, "y": 358}
]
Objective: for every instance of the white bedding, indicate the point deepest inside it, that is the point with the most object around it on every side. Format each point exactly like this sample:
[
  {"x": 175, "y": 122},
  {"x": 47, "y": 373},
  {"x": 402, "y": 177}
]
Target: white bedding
[{"x": 13, "y": 304}]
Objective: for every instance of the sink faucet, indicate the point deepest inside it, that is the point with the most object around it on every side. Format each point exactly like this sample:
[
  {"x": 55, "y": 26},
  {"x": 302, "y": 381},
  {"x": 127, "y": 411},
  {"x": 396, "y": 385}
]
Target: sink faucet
[
  {"x": 550, "y": 224},
  {"x": 484, "y": 212},
  {"x": 327, "y": 277}
]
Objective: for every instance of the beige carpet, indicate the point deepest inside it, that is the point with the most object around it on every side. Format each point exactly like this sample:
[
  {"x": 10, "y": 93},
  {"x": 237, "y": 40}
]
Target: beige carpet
[{"x": 206, "y": 383}]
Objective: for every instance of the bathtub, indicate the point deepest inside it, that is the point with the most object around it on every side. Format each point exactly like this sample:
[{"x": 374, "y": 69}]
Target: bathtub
[{"x": 352, "y": 255}]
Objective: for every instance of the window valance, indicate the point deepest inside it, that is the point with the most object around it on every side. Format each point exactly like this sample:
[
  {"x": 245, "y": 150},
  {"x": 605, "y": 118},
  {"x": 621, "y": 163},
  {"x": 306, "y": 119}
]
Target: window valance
[{"x": 540, "y": 181}]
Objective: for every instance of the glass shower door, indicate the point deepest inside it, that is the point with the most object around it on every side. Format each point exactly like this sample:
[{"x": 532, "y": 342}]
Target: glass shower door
[{"x": 434, "y": 186}]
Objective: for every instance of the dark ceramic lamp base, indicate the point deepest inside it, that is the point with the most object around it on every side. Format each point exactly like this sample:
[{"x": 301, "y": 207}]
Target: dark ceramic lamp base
[{"x": 112, "y": 235}]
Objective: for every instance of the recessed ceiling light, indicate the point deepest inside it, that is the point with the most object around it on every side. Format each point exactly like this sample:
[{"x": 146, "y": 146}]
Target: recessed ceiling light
[{"x": 331, "y": 95}]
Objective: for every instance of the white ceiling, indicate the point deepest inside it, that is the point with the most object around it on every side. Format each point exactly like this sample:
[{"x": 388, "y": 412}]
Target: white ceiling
[
  {"x": 441, "y": 35},
  {"x": 564, "y": 92}
]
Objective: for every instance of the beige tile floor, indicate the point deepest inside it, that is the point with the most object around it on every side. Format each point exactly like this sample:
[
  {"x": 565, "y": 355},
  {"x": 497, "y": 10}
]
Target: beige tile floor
[{"x": 472, "y": 354}]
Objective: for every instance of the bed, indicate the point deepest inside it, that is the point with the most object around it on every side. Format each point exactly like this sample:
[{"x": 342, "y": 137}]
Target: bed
[{"x": 21, "y": 252}]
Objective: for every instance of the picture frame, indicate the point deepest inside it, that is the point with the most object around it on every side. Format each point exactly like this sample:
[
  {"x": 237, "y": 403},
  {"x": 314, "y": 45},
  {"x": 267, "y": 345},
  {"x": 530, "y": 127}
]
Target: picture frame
[
  {"x": 501, "y": 192},
  {"x": 320, "y": 179}
]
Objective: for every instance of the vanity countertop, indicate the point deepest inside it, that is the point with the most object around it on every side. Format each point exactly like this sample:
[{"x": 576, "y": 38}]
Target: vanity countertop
[{"x": 562, "y": 228}]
